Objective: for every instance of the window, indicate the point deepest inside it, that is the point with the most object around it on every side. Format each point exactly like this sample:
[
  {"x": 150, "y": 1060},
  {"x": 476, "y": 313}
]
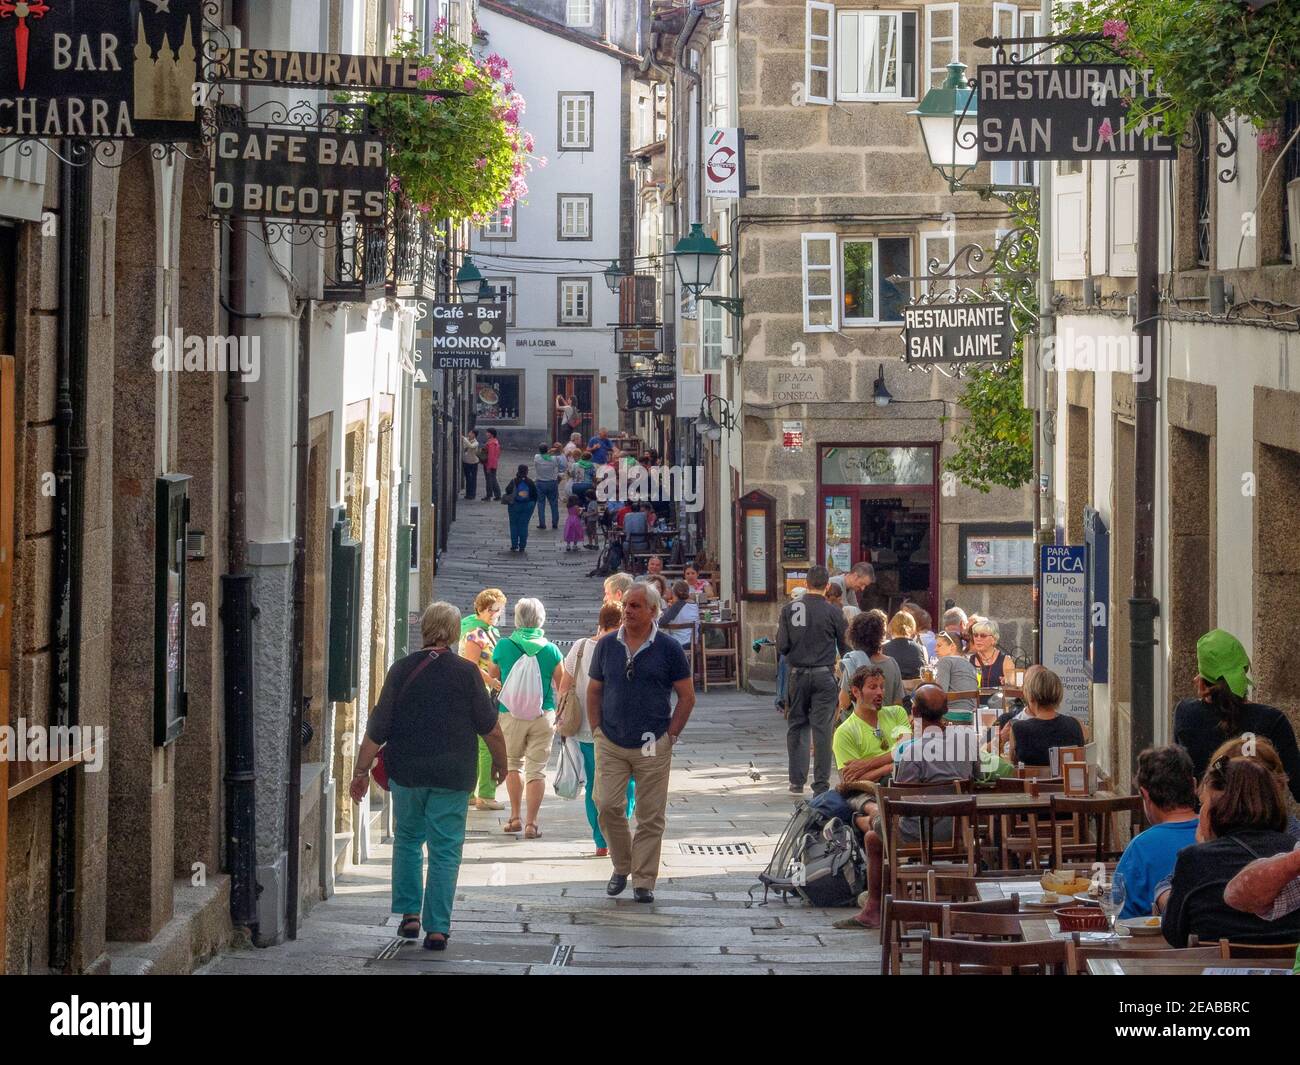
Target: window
[
  {"x": 498, "y": 398},
  {"x": 1010, "y": 21},
  {"x": 509, "y": 284},
  {"x": 720, "y": 85},
  {"x": 818, "y": 52},
  {"x": 711, "y": 342},
  {"x": 415, "y": 538},
  {"x": 1290, "y": 171},
  {"x": 819, "y": 287},
  {"x": 501, "y": 226},
  {"x": 575, "y": 121},
  {"x": 937, "y": 247},
  {"x": 575, "y": 301},
  {"x": 942, "y": 42},
  {"x": 574, "y": 216},
  {"x": 876, "y": 53},
  {"x": 868, "y": 264},
  {"x": 578, "y": 13}
]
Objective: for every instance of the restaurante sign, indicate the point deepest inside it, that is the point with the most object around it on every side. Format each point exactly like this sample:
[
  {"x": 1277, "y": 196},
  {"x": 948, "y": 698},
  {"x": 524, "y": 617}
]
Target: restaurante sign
[
  {"x": 1066, "y": 111},
  {"x": 958, "y": 332},
  {"x": 317, "y": 70},
  {"x": 86, "y": 68}
]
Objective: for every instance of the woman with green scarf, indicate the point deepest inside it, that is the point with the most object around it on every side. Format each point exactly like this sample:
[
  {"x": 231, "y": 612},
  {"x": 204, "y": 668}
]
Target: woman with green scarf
[
  {"x": 1220, "y": 711},
  {"x": 478, "y": 639}
]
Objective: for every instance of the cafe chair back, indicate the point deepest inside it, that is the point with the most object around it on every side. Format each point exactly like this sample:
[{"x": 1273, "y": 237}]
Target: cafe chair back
[
  {"x": 1095, "y": 818},
  {"x": 902, "y": 920},
  {"x": 1081, "y": 954},
  {"x": 1281, "y": 951},
  {"x": 971, "y": 957}
]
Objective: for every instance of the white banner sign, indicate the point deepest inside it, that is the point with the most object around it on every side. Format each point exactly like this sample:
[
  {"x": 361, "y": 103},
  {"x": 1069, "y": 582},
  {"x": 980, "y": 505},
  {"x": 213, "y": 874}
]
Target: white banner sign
[{"x": 724, "y": 162}]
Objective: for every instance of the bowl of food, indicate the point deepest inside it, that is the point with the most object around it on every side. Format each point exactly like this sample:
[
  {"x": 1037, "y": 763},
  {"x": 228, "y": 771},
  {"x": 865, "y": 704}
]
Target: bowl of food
[
  {"x": 1082, "y": 919},
  {"x": 1064, "y": 882},
  {"x": 1141, "y": 926}
]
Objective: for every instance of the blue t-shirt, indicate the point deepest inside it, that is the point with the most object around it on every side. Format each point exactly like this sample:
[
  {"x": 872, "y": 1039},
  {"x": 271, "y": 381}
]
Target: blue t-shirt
[
  {"x": 1148, "y": 859},
  {"x": 631, "y": 708},
  {"x": 600, "y": 449}
]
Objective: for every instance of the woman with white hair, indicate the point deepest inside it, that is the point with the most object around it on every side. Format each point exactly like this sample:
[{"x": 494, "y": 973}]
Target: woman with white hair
[
  {"x": 529, "y": 731},
  {"x": 995, "y": 667},
  {"x": 431, "y": 711}
]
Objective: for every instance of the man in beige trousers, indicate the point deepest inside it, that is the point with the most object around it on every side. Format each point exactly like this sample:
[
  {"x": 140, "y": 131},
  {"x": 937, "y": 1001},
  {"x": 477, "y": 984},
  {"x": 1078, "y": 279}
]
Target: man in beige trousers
[{"x": 634, "y": 673}]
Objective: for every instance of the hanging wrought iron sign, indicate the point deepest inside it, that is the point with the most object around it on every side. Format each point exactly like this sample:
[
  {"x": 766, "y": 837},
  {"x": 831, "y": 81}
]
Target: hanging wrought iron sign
[
  {"x": 951, "y": 333},
  {"x": 318, "y": 70},
  {"x": 655, "y": 394},
  {"x": 99, "y": 70},
  {"x": 298, "y": 175},
  {"x": 456, "y": 336},
  {"x": 1034, "y": 112}
]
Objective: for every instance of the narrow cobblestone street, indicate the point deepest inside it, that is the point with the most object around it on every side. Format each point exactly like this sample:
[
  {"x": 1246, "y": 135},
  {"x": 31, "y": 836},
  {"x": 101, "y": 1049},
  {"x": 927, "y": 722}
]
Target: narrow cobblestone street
[{"x": 539, "y": 906}]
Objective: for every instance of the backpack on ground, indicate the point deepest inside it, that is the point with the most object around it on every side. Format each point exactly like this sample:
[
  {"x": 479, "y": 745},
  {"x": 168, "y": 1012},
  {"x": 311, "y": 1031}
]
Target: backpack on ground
[
  {"x": 522, "y": 692},
  {"x": 816, "y": 858}
]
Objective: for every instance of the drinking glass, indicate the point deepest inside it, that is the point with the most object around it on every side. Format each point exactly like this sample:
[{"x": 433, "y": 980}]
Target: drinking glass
[{"x": 1112, "y": 902}]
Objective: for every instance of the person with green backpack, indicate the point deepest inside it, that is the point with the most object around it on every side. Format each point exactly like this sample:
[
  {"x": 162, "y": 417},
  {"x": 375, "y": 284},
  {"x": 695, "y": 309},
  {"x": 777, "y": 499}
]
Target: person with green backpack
[{"x": 531, "y": 670}]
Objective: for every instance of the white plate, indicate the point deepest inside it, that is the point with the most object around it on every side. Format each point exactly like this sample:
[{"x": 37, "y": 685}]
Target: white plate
[
  {"x": 1087, "y": 900},
  {"x": 1137, "y": 926},
  {"x": 1035, "y": 902}
]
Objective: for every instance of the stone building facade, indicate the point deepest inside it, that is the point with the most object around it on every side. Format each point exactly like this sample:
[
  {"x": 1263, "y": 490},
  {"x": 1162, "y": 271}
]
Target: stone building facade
[{"x": 846, "y": 199}]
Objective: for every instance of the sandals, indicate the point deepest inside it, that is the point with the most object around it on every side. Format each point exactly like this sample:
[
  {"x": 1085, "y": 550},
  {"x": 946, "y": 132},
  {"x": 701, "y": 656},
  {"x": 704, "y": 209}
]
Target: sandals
[
  {"x": 531, "y": 831},
  {"x": 430, "y": 943},
  {"x": 513, "y": 825},
  {"x": 409, "y": 928}
]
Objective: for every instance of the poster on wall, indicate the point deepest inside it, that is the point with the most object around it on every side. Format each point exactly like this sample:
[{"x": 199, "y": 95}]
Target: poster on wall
[
  {"x": 1063, "y": 616},
  {"x": 839, "y": 533}
]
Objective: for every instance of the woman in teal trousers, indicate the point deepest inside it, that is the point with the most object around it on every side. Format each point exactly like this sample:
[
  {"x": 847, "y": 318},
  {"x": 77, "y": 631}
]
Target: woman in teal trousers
[{"x": 431, "y": 711}]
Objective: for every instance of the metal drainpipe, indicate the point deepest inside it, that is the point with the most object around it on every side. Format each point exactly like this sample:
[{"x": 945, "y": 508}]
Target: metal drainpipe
[
  {"x": 237, "y": 610},
  {"x": 70, "y": 482}
]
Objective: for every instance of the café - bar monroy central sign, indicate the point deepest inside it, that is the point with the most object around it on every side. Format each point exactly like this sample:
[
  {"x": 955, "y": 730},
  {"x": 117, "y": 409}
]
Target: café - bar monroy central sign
[
  {"x": 949, "y": 333},
  {"x": 100, "y": 69},
  {"x": 456, "y": 336},
  {"x": 282, "y": 174},
  {"x": 1066, "y": 111}
]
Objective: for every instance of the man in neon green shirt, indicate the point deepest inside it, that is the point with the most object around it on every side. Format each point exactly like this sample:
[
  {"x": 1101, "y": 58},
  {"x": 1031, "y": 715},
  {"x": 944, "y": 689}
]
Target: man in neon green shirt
[{"x": 862, "y": 743}]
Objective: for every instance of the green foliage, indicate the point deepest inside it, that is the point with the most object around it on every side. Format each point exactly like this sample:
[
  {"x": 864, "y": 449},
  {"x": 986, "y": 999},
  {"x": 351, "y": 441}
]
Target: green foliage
[
  {"x": 462, "y": 157},
  {"x": 995, "y": 442},
  {"x": 1213, "y": 56}
]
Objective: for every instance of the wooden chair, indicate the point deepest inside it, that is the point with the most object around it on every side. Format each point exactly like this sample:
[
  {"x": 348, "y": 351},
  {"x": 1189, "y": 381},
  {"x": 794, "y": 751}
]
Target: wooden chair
[
  {"x": 692, "y": 651},
  {"x": 897, "y": 915},
  {"x": 968, "y": 956},
  {"x": 934, "y": 854},
  {"x": 1080, "y": 955},
  {"x": 994, "y": 927},
  {"x": 1098, "y": 815},
  {"x": 725, "y": 662},
  {"x": 1277, "y": 951}
]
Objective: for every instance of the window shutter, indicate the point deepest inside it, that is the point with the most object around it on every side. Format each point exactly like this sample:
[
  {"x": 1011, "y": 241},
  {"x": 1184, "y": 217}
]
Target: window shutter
[
  {"x": 819, "y": 53},
  {"x": 942, "y": 43},
  {"x": 820, "y": 283}
]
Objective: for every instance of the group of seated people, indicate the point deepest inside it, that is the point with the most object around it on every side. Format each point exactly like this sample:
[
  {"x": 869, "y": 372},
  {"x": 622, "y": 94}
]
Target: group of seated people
[
  {"x": 1221, "y": 858},
  {"x": 681, "y": 598}
]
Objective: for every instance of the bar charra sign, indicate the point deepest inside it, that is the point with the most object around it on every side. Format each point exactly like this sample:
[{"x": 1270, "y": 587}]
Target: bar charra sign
[
  {"x": 1067, "y": 111},
  {"x": 100, "y": 69},
  {"x": 949, "y": 333}
]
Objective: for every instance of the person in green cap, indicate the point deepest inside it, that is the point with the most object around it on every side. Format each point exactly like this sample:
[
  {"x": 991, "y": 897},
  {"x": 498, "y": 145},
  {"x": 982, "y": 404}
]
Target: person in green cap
[
  {"x": 1220, "y": 710},
  {"x": 478, "y": 639}
]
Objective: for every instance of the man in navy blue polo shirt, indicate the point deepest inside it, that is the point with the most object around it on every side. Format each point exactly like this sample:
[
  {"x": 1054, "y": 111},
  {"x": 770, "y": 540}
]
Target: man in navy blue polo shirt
[{"x": 634, "y": 673}]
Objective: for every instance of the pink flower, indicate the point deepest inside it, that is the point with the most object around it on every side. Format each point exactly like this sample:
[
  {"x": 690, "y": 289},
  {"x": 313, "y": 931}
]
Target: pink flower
[
  {"x": 480, "y": 163},
  {"x": 506, "y": 220},
  {"x": 393, "y": 184},
  {"x": 512, "y": 115},
  {"x": 1105, "y": 132},
  {"x": 542, "y": 161},
  {"x": 1267, "y": 140},
  {"x": 440, "y": 26},
  {"x": 424, "y": 73},
  {"x": 529, "y": 142},
  {"x": 519, "y": 170},
  {"x": 1114, "y": 28},
  {"x": 470, "y": 86}
]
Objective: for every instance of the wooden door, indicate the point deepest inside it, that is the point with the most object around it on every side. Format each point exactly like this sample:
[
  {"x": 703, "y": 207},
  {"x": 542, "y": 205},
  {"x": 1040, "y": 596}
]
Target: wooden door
[{"x": 7, "y": 429}]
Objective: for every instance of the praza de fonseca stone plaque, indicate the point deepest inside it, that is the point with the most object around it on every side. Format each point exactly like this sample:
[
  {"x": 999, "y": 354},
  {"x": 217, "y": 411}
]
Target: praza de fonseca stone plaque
[
  {"x": 100, "y": 69},
  {"x": 958, "y": 332}
]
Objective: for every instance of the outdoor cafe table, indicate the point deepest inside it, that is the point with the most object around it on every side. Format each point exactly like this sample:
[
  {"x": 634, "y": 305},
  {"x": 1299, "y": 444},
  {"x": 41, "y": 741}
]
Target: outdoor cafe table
[
  {"x": 1161, "y": 967},
  {"x": 1048, "y": 928}
]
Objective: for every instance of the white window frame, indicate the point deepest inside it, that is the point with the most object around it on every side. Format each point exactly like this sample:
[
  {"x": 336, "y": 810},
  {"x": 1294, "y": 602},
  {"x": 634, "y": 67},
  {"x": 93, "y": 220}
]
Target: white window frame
[
  {"x": 414, "y": 560},
  {"x": 815, "y": 7},
  {"x": 494, "y": 231},
  {"x": 925, "y": 238},
  {"x": 874, "y": 241},
  {"x": 568, "y": 287},
  {"x": 862, "y": 15},
  {"x": 832, "y": 269},
  {"x": 937, "y": 64},
  {"x": 719, "y": 86},
  {"x": 583, "y": 102},
  {"x": 582, "y": 209},
  {"x": 573, "y": 13},
  {"x": 511, "y": 285},
  {"x": 712, "y": 316}
]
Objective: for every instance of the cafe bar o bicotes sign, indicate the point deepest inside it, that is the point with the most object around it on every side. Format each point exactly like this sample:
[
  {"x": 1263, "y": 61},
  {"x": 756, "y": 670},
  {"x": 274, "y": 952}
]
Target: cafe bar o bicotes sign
[
  {"x": 289, "y": 174},
  {"x": 1066, "y": 111},
  {"x": 100, "y": 69},
  {"x": 958, "y": 332}
]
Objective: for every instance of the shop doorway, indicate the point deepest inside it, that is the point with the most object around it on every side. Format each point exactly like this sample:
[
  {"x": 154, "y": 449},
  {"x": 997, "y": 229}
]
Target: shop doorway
[
  {"x": 581, "y": 389},
  {"x": 894, "y": 526}
]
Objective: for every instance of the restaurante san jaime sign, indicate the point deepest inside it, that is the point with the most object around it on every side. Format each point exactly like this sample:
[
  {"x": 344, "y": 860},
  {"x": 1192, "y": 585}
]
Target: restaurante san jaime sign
[
  {"x": 1066, "y": 111},
  {"x": 958, "y": 332},
  {"x": 100, "y": 69},
  {"x": 282, "y": 174}
]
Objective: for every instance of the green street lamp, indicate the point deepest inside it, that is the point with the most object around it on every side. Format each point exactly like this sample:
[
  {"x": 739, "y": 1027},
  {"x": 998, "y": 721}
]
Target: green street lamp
[
  {"x": 614, "y": 274},
  {"x": 469, "y": 281},
  {"x": 947, "y": 117},
  {"x": 697, "y": 256}
]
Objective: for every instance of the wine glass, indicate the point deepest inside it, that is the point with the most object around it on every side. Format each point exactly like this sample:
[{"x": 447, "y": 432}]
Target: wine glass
[{"x": 1112, "y": 901}]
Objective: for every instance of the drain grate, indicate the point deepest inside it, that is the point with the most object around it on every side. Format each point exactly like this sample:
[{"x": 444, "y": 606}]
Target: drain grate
[
  {"x": 391, "y": 950},
  {"x": 716, "y": 850},
  {"x": 562, "y": 955}
]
